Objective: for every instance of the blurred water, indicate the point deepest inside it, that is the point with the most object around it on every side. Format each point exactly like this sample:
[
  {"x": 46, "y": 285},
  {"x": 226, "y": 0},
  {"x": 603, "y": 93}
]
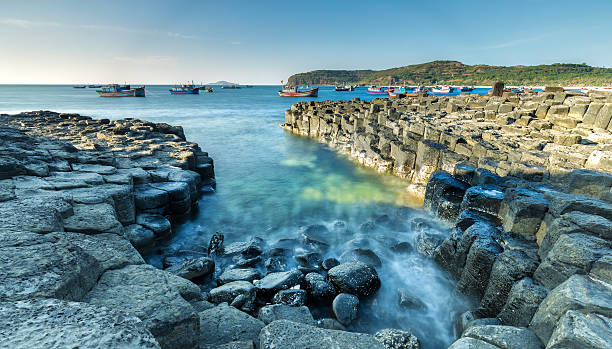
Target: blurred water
[{"x": 271, "y": 183}]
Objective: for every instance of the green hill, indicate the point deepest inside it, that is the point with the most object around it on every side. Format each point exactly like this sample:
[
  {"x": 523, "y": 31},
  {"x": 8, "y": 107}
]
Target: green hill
[{"x": 453, "y": 72}]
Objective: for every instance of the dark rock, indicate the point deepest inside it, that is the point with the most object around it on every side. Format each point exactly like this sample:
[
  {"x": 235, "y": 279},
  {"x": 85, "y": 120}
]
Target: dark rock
[
  {"x": 315, "y": 237},
  {"x": 330, "y": 324},
  {"x": 248, "y": 249},
  {"x": 364, "y": 255},
  {"x": 215, "y": 247},
  {"x": 426, "y": 242},
  {"x": 402, "y": 247},
  {"x": 393, "y": 338},
  {"x": 345, "y": 307},
  {"x": 309, "y": 261},
  {"x": 158, "y": 224},
  {"x": 329, "y": 263},
  {"x": 443, "y": 196},
  {"x": 355, "y": 278},
  {"x": 139, "y": 236},
  {"x": 230, "y": 275},
  {"x": 468, "y": 217},
  {"x": 242, "y": 262},
  {"x": 274, "y": 282},
  {"x": 293, "y": 298},
  {"x": 522, "y": 303},
  {"x": 498, "y": 89},
  {"x": 230, "y": 291},
  {"x": 483, "y": 322},
  {"x": 602, "y": 269},
  {"x": 275, "y": 312},
  {"x": 523, "y": 210},
  {"x": 475, "y": 275},
  {"x": 276, "y": 264},
  {"x": 471, "y": 343},
  {"x": 485, "y": 199},
  {"x": 318, "y": 287}
]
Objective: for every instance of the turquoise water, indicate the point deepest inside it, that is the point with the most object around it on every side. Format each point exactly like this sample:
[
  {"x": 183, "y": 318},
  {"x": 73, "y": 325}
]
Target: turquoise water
[{"x": 271, "y": 183}]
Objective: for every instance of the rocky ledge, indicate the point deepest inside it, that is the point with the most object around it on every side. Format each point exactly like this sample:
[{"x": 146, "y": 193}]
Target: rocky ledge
[{"x": 551, "y": 137}]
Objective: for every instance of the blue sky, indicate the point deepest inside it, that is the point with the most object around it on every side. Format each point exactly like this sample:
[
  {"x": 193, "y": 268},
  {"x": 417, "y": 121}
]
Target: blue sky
[{"x": 262, "y": 42}]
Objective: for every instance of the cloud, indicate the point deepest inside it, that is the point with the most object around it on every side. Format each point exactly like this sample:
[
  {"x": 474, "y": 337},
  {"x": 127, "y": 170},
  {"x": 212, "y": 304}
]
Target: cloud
[
  {"x": 26, "y": 24},
  {"x": 181, "y": 36},
  {"x": 148, "y": 60},
  {"x": 517, "y": 42}
]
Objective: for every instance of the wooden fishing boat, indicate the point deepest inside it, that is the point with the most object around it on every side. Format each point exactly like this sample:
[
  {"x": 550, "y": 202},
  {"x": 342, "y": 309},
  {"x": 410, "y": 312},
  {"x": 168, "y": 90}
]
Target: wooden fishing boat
[
  {"x": 79, "y": 86},
  {"x": 442, "y": 89},
  {"x": 121, "y": 91},
  {"x": 208, "y": 90},
  {"x": 295, "y": 92},
  {"x": 378, "y": 90}
]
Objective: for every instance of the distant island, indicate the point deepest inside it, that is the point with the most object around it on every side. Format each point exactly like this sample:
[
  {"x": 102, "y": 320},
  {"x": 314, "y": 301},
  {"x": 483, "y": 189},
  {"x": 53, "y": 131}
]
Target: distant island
[
  {"x": 222, "y": 82},
  {"x": 455, "y": 73}
]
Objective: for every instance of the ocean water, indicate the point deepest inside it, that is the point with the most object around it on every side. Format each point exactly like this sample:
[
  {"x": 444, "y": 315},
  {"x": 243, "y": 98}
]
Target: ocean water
[{"x": 270, "y": 184}]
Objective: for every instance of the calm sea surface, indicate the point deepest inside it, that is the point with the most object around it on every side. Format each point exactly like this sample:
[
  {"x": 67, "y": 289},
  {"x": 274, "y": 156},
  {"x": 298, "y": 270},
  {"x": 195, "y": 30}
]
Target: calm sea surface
[{"x": 271, "y": 183}]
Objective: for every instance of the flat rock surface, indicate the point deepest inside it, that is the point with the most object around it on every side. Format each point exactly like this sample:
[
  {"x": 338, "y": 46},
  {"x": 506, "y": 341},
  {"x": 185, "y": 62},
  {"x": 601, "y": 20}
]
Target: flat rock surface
[
  {"x": 52, "y": 323},
  {"x": 223, "y": 324}
]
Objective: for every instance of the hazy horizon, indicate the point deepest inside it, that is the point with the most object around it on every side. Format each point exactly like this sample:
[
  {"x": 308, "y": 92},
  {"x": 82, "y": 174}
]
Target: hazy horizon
[{"x": 154, "y": 42}]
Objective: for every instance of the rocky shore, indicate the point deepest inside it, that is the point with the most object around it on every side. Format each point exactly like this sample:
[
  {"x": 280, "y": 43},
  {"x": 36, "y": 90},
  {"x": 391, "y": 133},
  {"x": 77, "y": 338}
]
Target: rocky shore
[
  {"x": 523, "y": 182},
  {"x": 82, "y": 199}
]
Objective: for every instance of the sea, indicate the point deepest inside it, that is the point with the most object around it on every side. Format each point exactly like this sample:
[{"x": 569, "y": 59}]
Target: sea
[{"x": 271, "y": 184}]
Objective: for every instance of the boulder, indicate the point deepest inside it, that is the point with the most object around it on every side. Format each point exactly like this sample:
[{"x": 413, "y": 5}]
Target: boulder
[
  {"x": 522, "y": 211},
  {"x": 224, "y": 324},
  {"x": 275, "y": 312},
  {"x": 364, "y": 255},
  {"x": 248, "y": 249},
  {"x": 408, "y": 301},
  {"x": 235, "y": 291},
  {"x": 478, "y": 264},
  {"x": 578, "y": 330},
  {"x": 44, "y": 266},
  {"x": 318, "y": 288},
  {"x": 283, "y": 334},
  {"x": 274, "y": 282},
  {"x": 443, "y": 196},
  {"x": 355, "y": 278},
  {"x": 579, "y": 293},
  {"x": 485, "y": 199},
  {"x": 153, "y": 296},
  {"x": 505, "y": 337},
  {"x": 345, "y": 307},
  {"x": 393, "y": 338},
  {"x": 53, "y": 323},
  {"x": 309, "y": 261},
  {"x": 522, "y": 302},
  {"x": 139, "y": 236},
  {"x": 158, "y": 224},
  {"x": 148, "y": 197}
]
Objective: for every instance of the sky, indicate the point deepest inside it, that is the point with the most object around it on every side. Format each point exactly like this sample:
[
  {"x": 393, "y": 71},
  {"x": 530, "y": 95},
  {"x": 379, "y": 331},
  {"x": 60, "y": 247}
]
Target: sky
[{"x": 263, "y": 42}]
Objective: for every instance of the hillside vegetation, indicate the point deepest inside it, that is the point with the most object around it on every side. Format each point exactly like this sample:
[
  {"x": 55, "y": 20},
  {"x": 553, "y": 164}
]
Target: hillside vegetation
[{"x": 453, "y": 72}]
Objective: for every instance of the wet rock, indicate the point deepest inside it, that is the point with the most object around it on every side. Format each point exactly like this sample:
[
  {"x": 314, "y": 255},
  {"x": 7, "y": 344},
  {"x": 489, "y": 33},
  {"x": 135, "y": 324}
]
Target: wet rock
[
  {"x": 230, "y": 275},
  {"x": 602, "y": 269},
  {"x": 329, "y": 263},
  {"x": 193, "y": 268},
  {"x": 393, "y": 338},
  {"x": 158, "y": 224},
  {"x": 241, "y": 261},
  {"x": 355, "y": 278},
  {"x": 148, "y": 197},
  {"x": 401, "y": 247},
  {"x": 318, "y": 287},
  {"x": 468, "y": 217},
  {"x": 522, "y": 303},
  {"x": 426, "y": 242},
  {"x": 224, "y": 324},
  {"x": 506, "y": 337},
  {"x": 479, "y": 261},
  {"x": 523, "y": 210},
  {"x": 578, "y": 293},
  {"x": 364, "y": 255},
  {"x": 276, "y": 264},
  {"x": 485, "y": 199},
  {"x": 443, "y": 196},
  {"x": 139, "y": 236},
  {"x": 509, "y": 267},
  {"x": 571, "y": 254},
  {"x": 406, "y": 300},
  {"x": 578, "y": 330},
  {"x": 487, "y": 321},
  {"x": 248, "y": 249},
  {"x": 44, "y": 266},
  {"x": 309, "y": 261},
  {"x": 234, "y": 345},
  {"x": 315, "y": 237},
  {"x": 275, "y": 312},
  {"x": 345, "y": 307},
  {"x": 286, "y": 334},
  {"x": 46, "y": 323},
  {"x": 153, "y": 296},
  {"x": 294, "y": 298},
  {"x": 274, "y": 282},
  {"x": 230, "y": 291}
]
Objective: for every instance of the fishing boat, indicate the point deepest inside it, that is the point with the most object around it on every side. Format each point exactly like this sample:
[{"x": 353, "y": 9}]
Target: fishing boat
[
  {"x": 208, "y": 89},
  {"x": 230, "y": 86},
  {"x": 115, "y": 90},
  {"x": 345, "y": 88},
  {"x": 442, "y": 89},
  {"x": 467, "y": 88},
  {"x": 186, "y": 89},
  {"x": 378, "y": 90},
  {"x": 295, "y": 92},
  {"x": 94, "y": 86},
  {"x": 79, "y": 86}
]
